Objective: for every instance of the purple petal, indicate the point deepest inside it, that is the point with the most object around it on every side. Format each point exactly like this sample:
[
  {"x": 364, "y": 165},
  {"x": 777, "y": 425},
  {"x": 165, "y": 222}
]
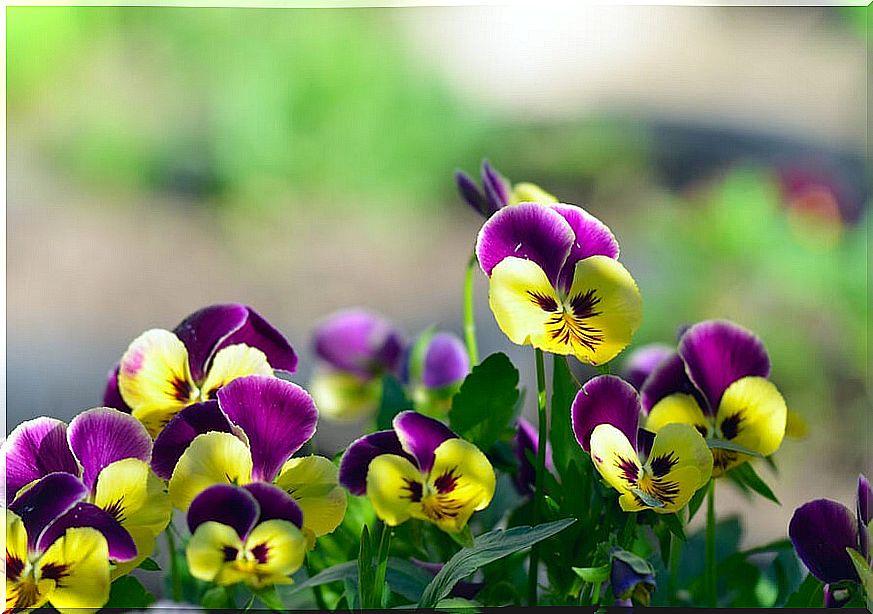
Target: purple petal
[
  {"x": 446, "y": 362},
  {"x": 527, "y": 438},
  {"x": 527, "y": 230},
  {"x": 121, "y": 545},
  {"x": 100, "y": 436},
  {"x": 203, "y": 330},
  {"x": 275, "y": 503},
  {"x": 592, "y": 238},
  {"x": 356, "y": 460},
  {"x": 669, "y": 377},
  {"x": 256, "y": 332},
  {"x": 864, "y": 512},
  {"x": 180, "y": 432},
  {"x": 718, "y": 353},
  {"x": 359, "y": 341},
  {"x": 420, "y": 436},
  {"x": 605, "y": 399},
  {"x": 470, "y": 193},
  {"x": 821, "y": 530},
  {"x": 624, "y": 579},
  {"x": 643, "y": 361},
  {"x": 112, "y": 395},
  {"x": 496, "y": 187},
  {"x": 278, "y": 417},
  {"x": 229, "y": 505},
  {"x": 34, "y": 449},
  {"x": 45, "y": 501}
]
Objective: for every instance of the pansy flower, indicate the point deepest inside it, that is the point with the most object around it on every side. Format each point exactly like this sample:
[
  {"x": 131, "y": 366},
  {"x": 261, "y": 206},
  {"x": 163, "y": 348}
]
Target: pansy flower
[
  {"x": 660, "y": 474},
  {"x": 556, "y": 283},
  {"x": 823, "y": 530},
  {"x": 525, "y": 445},
  {"x": 437, "y": 366},
  {"x": 245, "y": 534},
  {"x": 354, "y": 348},
  {"x": 58, "y": 549},
  {"x": 631, "y": 577},
  {"x": 420, "y": 469},
  {"x": 640, "y": 363},
  {"x": 163, "y": 371},
  {"x": 497, "y": 191},
  {"x": 106, "y": 453},
  {"x": 250, "y": 434},
  {"x": 717, "y": 382}
]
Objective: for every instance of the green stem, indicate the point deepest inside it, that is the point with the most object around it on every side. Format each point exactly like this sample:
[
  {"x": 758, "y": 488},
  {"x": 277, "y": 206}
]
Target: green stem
[
  {"x": 175, "y": 578},
  {"x": 249, "y": 603},
  {"x": 469, "y": 313},
  {"x": 711, "y": 580},
  {"x": 674, "y": 561},
  {"x": 539, "y": 490}
]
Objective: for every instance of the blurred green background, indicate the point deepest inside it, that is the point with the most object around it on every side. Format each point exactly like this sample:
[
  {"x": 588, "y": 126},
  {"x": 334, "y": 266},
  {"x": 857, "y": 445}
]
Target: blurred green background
[{"x": 162, "y": 159}]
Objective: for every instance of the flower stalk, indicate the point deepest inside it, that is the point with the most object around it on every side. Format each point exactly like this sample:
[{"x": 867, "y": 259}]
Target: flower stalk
[
  {"x": 469, "y": 312},
  {"x": 539, "y": 493},
  {"x": 175, "y": 578},
  {"x": 710, "y": 573}
]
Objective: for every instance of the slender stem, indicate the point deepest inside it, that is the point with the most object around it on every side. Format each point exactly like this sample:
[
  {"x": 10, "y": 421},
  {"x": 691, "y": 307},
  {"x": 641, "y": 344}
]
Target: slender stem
[
  {"x": 249, "y": 603},
  {"x": 674, "y": 559},
  {"x": 711, "y": 580},
  {"x": 469, "y": 312},
  {"x": 539, "y": 491},
  {"x": 175, "y": 578}
]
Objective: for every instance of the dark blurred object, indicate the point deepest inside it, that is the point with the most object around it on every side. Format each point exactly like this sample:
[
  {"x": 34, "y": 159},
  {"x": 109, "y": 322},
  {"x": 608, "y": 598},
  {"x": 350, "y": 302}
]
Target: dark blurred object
[{"x": 686, "y": 154}]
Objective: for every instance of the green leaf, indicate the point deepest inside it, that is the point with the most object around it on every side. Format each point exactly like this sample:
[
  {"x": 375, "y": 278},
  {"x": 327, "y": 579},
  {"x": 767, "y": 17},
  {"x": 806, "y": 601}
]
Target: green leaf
[
  {"x": 808, "y": 594},
  {"x": 674, "y": 523},
  {"x": 721, "y": 444},
  {"x": 864, "y": 572},
  {"x": 393, "y": 402},
  {"x": 487, "y": 548},
  {"x": 128, "y": 593},
  {"x": 485, "y": 404},
  {"x": 746, "y": 474},
  {"x": 593, "y": 574},
  {"x": 457, "y": 604},
  {"x": 149, "y": 564},
  {"x": 637, "y": 563},
  {"x": 270, "y": 598},
  {"x": 463, "y": 538},
  {"x": 215, "y": 599},
  {"x": 695, "y": 502},
  {"x": 407, "y": 579},
  {"x": 337, "y": 573},
  {"x": 564, "y": 444}
]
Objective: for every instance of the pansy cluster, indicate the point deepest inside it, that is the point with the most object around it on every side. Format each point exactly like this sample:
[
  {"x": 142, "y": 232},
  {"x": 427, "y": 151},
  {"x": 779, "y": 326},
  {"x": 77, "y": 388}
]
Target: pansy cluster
[{"x": 448, "y": 476}]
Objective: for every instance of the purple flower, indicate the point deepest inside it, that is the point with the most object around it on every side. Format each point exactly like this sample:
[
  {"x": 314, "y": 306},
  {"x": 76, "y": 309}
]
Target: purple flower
[
  {"x": 497, "y": 191},
  {"x": 354, "y": 348},
  {"x": 555, "y": 282},
  {"x": 822, "y": 530},
  {"x": 527, "y": 442},
  {"x": 162, "y": 372},
  {"x": 250, "y": 434},
  {"x": 661, "y": 473},
  {"x": 641, "y": 362},
  {"x": 437, "y": 365},
  {"x": 420, "y": 469},
  {"x": 93, "y": 472},
  {"x": 245, "y": 534},
  {"x": 631, "y": 577},
  {"x": 717, "y": 382}
]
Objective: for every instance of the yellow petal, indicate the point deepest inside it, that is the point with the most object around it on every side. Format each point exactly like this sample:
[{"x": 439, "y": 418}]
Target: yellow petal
[
  {"x": 752, "y": 414},
  {"x": 144, "y": 540},
  {"x": 211, "y": 553},
  {"x": 679, "y": 464},
  {"x": 521, "y": 297},
  {"x": 526, "y": 192},
  {"x": 212, "y": 458},
  {"x": 313, "y": 482},
  {"x": 154, "y": 378},
  {"x": 606, "y": 309},
  {"x": 394, "y": 487},
  {"x": 232, "y": 362},
  {"x": 23, "y": 590},
  {"x": 461, "y": 482},
  {"x": 677, "y": 409},
  {"x": 277, "y": 548},
  {"x": 83, "y": 554},
  {"x": 345, "y": 397},
  {"x": 614, "y": 457},
  {"x": 16, "y": 537}
]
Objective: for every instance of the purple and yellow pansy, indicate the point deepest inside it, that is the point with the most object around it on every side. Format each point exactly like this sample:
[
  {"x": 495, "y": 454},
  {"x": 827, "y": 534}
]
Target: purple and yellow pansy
[
  {"x": 717, "y": 383},
  {"x": 497, "y": 192},
  {"x": 824, "y": 531},
  {"x": 419, "y": 469},
  {"x": 103, "y": 457},
  {"x": 163, "y": 371},
  {"x": 248, "y": 534},
  {"x": 249, "y": 435},
  {"x": 555, "y": 282},
  {"x": 660, "y": 473},
  {"x": 354, "y": 348}
]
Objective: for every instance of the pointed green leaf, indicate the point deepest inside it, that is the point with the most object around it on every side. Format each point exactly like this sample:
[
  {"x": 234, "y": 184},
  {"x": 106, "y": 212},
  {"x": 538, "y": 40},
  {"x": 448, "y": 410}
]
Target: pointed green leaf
[
  {"x": 746, "y": 474},
  {"x": 721, "y": 444},
  {"x": 695, "y": 502},
  {"x": 674, "y": 523},
  {"x": 270, "y": 598},
  {"x": 564, "y": 444},
  {"x": 128, "y": 593},
  {"x": 808, "y": 594},
  {"x": 593, "y": 574},
  {"x": 393, "y": 402},
  {"x": 149, "y": 564}
]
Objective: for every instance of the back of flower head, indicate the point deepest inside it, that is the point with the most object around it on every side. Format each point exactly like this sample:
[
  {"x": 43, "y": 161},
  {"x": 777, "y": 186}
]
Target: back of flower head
[{"x": 497, "y": 191}]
